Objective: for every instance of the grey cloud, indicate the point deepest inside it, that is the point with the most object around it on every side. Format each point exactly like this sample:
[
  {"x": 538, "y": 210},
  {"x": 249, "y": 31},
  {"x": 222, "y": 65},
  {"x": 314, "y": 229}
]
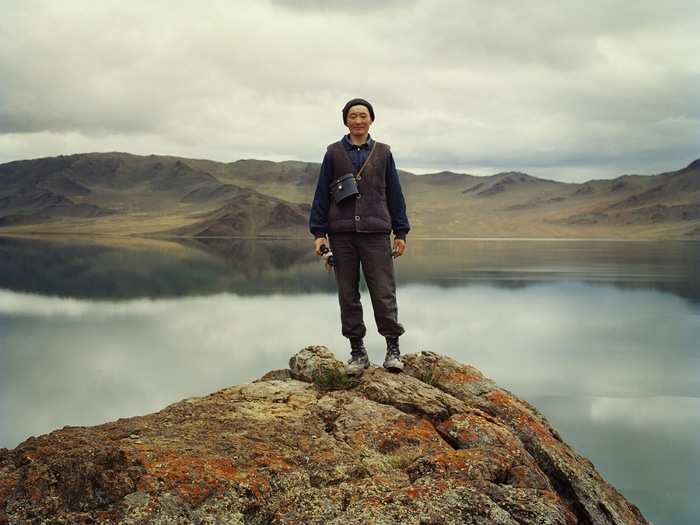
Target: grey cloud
[
  {"x": 355, "y": 6},
  {"x": 456, "y": 85}
]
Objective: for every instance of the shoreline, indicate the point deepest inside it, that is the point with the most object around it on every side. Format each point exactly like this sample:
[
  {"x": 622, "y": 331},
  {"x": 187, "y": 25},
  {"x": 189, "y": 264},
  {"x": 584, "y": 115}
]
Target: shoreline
[{"x": 82, "y": 235}]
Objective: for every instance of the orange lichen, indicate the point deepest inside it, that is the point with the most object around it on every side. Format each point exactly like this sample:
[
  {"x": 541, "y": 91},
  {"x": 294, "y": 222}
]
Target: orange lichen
[
  {"x": 421, "y": 428},
  {"x": 259, "y": 485},
  {"x": 325, "y": 456},
  {"x": 499, "y": 397},
  {"x": 451, "y": 461},
  {"x": 413, "y": 431},
  {"x": 466, "y": 434},
  {"x": 147, "y": 484},
  {"x": 460, "y": 376},
  {"x": 441, "y": 485},
  {"x": 275, "y": 463},
  {"x": 467, "y": 438},
  {"x": 372, "y": 501},
  {"x": 416, "y": 492},
  {"x": 544, "y": 434},
  {"x": 521, "y": 416},
  {"x": 390, "y": 436},
  {"x": 195, "y": 493},
  {"x": 224, "y": 467},
  {"x": 31, "y": 481},
  {"x": 197, "y": 478},
  {"x": 521, "y": 474}
]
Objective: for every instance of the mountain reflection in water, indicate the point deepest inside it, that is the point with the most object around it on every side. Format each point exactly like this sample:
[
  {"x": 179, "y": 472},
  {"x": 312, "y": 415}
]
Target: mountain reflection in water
[{"x": 196, "y": 266}]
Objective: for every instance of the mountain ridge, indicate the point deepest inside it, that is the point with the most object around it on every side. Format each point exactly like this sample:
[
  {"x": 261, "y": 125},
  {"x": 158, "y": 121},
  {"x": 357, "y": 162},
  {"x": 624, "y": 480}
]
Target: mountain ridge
[{"x": 122, "y": 193}]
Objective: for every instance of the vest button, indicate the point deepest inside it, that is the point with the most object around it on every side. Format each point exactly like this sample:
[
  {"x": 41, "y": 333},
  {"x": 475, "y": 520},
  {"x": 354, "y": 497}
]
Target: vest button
[{"x": 357, "y": 217}]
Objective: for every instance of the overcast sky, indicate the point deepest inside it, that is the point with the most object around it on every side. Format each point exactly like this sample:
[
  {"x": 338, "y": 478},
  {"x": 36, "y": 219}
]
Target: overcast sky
[{"x": 567, "y": 90}]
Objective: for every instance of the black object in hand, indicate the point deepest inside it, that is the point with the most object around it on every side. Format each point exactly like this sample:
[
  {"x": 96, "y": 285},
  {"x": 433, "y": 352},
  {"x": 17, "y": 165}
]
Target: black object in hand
[{"x": 327, "y": 254}]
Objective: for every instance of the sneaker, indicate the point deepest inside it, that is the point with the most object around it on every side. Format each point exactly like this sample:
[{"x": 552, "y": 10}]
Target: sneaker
[
  {"x": 392, "y": 360},
  {"x": 359, "y": 360}
]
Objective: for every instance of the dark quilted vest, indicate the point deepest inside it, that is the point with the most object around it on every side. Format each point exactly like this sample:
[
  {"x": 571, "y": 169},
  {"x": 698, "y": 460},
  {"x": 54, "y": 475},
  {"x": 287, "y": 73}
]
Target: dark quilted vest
[{"x": 367, "y": 212}]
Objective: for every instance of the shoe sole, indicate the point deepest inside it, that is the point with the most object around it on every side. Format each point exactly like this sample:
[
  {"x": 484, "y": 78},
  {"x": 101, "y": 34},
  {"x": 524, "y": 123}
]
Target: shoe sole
[
  {"x": 394, "y": 368},
  {"x": 357, "y": 371}
]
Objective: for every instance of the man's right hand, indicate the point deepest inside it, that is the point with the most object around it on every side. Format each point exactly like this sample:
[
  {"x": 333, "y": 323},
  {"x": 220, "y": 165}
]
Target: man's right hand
[{"x": 320, "y": 241}]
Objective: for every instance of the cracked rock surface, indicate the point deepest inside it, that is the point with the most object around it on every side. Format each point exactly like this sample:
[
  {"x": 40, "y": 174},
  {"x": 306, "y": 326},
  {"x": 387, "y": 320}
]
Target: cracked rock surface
[{"x": 437, "y": 444}]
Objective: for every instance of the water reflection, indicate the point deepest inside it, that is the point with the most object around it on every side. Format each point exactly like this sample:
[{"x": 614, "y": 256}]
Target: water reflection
[
  {"x": 647, "y": 447},
  {"x": 175, "y": 268}
]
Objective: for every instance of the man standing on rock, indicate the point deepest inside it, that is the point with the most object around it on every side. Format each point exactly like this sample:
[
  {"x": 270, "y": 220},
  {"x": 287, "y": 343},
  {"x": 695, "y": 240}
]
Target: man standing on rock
[{"x": 357, "y": 214}]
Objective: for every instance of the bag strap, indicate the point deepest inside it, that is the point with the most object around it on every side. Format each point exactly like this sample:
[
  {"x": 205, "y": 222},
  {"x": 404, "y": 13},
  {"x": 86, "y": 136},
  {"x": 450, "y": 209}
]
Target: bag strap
[{"x": 374, "y": 145}]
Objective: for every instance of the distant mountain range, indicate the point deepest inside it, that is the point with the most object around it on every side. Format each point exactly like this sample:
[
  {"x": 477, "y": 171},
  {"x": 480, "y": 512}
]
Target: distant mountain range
[{"x": 121, "y": 193}]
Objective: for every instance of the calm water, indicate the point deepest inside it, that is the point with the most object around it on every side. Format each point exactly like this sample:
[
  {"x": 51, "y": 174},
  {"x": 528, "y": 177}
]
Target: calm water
[{"x": 603, "y": 337}]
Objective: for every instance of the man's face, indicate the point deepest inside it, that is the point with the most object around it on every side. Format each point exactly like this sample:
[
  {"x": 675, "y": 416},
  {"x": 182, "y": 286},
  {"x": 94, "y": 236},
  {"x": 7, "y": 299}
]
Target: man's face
[{"x": 358, "y": 120}]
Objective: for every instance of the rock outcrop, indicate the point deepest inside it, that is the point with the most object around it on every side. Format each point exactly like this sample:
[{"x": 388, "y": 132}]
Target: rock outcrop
[{"x": 437, "y": 444}]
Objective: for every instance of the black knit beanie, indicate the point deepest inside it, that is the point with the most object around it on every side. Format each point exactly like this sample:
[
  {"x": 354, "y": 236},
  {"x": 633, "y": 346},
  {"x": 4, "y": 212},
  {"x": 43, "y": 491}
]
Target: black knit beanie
[{"x": 357, "y": 102}]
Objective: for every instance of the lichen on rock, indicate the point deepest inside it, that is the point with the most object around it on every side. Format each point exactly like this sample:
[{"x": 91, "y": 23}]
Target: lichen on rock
[{"x": 437, "y": 444}]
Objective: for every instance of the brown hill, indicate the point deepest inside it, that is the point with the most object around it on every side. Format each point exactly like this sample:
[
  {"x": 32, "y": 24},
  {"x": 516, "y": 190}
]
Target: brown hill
[
  {"x": 669, "y": 198},
  {"x": 144, "y": 194},
  {"x": 30, "y": 205},
  {"x": 509, "y": 181},
  {"x": 439, "y": 443},
  {"x": 131, "y": 194},
  {"x": 249, "y": 213}
]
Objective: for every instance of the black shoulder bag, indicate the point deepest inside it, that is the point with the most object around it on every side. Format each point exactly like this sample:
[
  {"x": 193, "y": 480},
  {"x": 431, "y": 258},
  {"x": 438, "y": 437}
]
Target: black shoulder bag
[{"x": 346, "y": 185}]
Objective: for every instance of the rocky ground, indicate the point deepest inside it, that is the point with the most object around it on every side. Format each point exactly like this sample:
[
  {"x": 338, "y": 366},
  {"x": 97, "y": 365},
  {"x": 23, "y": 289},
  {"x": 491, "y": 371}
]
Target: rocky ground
[{"x": 436, "y": 444}]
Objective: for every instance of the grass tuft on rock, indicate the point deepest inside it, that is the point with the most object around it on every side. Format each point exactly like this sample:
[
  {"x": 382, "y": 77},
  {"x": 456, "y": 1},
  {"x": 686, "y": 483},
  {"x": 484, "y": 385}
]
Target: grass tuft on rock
[
  {"x": 429, "y": 377},
  {"x": 334, "y": 379},
  {"x": 401, "y": 460}
]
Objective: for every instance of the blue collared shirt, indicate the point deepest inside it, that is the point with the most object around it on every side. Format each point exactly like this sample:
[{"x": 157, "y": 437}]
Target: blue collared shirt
[{"x": 318, "y": 218}]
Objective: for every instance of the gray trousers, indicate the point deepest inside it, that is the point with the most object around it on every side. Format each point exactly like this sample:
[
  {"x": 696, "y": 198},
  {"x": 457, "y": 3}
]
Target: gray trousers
[{"x": 373, "y": 250}]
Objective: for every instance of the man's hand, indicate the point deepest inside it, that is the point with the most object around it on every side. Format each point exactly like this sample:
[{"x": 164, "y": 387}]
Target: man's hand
[
  {"x": 399, "y": 248},
  {"x": 320, "y": 241}
]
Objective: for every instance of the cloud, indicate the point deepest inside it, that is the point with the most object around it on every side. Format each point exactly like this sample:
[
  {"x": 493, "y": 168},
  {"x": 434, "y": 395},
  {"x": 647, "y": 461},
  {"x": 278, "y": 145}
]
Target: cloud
[
  {"x": 552, "y": 89},
  {"x": 357, "y": 6}
]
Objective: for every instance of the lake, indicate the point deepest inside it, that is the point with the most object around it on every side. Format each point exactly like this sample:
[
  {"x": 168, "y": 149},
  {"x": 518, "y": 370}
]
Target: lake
[{"x": 603, "y": 337}]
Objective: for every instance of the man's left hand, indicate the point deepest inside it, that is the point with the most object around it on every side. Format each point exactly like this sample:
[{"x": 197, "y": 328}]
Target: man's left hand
[{"x": 399, "y": 247}]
